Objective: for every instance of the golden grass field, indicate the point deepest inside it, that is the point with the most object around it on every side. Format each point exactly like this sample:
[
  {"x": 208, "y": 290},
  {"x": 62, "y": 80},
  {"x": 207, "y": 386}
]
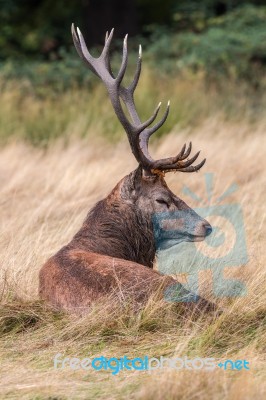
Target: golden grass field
[{"x": 45, "y": 195}]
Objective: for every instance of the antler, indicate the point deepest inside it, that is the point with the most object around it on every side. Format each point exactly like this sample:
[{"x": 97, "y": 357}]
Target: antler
[{"x": 138, "y": 132}]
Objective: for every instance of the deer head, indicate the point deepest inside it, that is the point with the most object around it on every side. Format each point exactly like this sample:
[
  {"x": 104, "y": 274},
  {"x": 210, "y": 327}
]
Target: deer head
[{"x": 144, "y": 192}]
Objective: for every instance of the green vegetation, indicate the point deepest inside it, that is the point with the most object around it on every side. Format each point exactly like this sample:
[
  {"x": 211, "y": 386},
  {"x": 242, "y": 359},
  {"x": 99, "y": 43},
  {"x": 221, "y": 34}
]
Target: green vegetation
[{"x": 232, "y": 45}]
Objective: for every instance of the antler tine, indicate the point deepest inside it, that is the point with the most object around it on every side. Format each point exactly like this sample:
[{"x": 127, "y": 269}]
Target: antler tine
[
  {"x": 148, "y": 132},
  {"x": 191, "y": 160},
  {"x": 127, "y": 94},
  {"x": 192, "y": 168},
  {"x": 142, "y": 128},
  {"x": 135, "y": 81},
  {"x": 187, "y": 153},
  {"x": 105, "y": 53},
  {"x": 123, "y": 67},
  {"x": 85, "y": 52},
  {"x": 82, "y": 50},
  {"x": 76, "y": 41},
  {"x": 180, "y": 154}
]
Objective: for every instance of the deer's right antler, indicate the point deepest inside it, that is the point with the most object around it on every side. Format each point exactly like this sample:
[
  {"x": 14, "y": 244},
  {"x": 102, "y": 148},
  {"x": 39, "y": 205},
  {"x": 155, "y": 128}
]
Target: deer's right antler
[{"x": 138, "y": 132}]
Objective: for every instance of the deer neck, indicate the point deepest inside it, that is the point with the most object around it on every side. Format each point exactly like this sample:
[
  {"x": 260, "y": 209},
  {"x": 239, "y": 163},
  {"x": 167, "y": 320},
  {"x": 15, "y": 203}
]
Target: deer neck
[{"x": 116, "y": 228}]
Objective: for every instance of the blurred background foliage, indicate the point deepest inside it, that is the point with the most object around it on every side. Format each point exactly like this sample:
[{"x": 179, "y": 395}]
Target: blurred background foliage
[
  {"x": 221, "y": 43},
  {"x": 216, "y": 36}
]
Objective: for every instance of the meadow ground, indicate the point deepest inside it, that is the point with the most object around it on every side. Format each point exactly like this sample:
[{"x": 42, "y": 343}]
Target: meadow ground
[{"x": 45, "y": 195}]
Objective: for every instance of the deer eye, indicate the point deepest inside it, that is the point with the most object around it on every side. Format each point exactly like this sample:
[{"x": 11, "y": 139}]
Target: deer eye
[{"x": 163, "y": 201}]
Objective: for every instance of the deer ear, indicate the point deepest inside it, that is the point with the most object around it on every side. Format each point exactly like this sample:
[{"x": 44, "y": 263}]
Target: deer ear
[
  {"x": 149, "y": 176},
  {"x": 131, "y": 185},
  {"x": 141, "y": 175}
]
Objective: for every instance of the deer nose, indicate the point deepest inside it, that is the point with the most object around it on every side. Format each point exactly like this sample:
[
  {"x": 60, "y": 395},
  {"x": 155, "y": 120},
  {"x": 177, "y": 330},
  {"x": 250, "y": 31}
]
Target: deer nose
[{"x": 208, "y": 229}]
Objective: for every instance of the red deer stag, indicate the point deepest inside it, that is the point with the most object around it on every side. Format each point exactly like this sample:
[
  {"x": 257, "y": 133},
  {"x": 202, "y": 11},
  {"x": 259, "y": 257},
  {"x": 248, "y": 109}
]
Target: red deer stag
[{"x": 114, "y": 250}]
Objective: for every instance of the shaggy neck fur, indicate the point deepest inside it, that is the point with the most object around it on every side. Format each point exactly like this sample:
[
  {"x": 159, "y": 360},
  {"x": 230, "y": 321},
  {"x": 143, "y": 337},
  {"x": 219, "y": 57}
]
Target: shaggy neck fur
[{"x": 116, "y": 227}]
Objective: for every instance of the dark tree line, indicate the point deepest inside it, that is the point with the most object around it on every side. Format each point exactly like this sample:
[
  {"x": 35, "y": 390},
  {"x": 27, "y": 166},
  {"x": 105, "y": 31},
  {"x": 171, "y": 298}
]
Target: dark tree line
[{"x": 39, "y": 28}]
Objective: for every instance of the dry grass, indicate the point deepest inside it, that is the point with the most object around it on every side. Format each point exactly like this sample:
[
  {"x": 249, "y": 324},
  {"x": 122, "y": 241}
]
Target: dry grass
[{"x": 45, "y": 195}]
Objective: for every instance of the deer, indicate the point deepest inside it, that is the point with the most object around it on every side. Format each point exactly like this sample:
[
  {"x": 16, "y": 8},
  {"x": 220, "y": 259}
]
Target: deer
[{"x": 114, "y": 250}]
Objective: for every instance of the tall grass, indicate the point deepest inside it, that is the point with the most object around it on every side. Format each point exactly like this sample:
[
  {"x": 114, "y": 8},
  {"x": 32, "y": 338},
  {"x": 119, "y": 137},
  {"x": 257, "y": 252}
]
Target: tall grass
[{"x": 40, "y": 117}]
